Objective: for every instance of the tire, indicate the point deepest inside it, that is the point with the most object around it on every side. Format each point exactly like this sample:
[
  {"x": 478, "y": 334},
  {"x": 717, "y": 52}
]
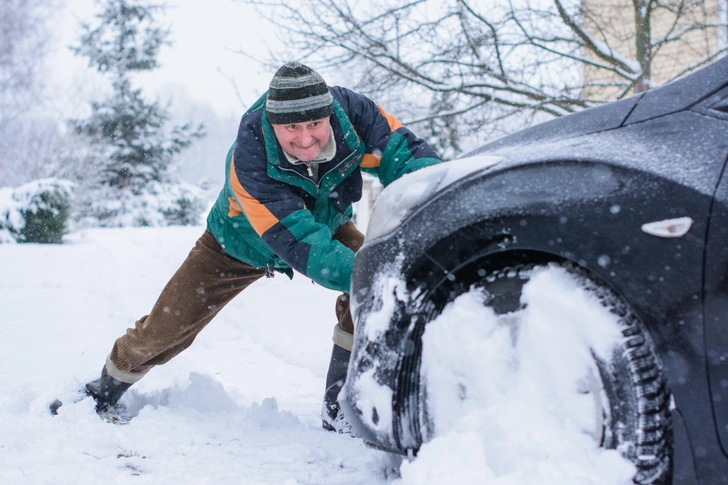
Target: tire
[
  {"x": 636, "y": 400},
  {"x": 631, "y": 389}
]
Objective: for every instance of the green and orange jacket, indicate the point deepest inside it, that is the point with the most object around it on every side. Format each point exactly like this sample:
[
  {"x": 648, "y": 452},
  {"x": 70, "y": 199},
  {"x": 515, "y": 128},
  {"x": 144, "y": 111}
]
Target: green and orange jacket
[{"x": 271, "y": 214}]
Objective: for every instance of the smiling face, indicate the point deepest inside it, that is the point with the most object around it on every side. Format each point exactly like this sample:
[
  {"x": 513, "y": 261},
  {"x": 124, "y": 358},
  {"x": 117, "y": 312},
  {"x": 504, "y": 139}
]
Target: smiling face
[{"x": 304, "y": 140}]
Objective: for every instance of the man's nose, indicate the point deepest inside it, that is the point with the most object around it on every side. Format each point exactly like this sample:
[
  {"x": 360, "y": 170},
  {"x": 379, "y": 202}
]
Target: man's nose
[{"x": 306, "y": 134}]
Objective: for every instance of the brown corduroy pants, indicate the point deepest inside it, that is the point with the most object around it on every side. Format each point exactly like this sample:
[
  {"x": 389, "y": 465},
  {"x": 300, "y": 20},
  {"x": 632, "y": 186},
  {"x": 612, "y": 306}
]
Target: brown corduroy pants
[{"x": 205, "y": 282}]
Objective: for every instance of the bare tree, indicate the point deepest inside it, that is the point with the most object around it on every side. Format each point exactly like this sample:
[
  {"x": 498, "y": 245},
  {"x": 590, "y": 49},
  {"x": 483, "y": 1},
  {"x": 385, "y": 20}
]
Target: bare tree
[{"x": 458, "y": 67}]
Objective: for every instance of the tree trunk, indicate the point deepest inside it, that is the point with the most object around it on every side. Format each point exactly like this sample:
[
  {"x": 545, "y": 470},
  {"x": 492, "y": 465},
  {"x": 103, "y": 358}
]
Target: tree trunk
[{"x": 643, "y": 43}]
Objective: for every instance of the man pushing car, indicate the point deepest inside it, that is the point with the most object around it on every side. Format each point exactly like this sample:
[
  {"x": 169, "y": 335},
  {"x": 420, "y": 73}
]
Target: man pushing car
[{"x": 291, "y": 178}]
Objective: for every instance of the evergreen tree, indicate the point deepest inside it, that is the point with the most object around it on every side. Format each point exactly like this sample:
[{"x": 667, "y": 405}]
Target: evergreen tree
[{"x": 137, "y": 152}]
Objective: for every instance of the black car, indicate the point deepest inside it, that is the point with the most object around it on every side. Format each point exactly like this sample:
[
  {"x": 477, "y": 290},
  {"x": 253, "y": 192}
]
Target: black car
[{"x": 632, "y": 199}]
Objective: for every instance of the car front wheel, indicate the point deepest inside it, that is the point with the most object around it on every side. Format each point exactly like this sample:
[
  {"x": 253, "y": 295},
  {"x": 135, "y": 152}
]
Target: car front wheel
[{"x": 623, "y": 387}]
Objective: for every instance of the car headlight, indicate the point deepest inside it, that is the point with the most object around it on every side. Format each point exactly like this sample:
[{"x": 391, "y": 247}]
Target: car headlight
[{"x": 403, "y": 196}]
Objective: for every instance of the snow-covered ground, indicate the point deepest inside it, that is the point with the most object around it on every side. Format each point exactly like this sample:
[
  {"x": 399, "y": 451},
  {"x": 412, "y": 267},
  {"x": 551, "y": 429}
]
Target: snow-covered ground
[{"x": 241, "y": 406}]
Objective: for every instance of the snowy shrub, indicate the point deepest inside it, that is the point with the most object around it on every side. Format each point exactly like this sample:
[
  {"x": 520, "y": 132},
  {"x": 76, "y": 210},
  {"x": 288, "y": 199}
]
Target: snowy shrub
[
  {"x": 36, "y": 212},
  {"x": 156, "y": 204},
  {"x": 184, "y": 205}
]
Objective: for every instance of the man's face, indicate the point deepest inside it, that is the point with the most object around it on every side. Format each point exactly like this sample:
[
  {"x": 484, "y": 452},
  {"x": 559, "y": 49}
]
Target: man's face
[{"x": 303, "y": 140}]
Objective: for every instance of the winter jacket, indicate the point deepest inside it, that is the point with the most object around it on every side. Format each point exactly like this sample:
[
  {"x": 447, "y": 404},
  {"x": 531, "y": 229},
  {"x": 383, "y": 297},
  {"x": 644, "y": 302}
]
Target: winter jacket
[{"x": 272, "y": 214}]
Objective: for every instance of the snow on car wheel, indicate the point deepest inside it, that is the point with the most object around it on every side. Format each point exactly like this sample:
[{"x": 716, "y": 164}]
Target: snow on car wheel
[{"x": 618, "y": 395}]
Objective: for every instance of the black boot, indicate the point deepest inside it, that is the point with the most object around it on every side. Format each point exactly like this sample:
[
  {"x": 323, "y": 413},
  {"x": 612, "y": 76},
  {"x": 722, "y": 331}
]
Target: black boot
[
  {"x": 332, "y": 418},
  {"x": 106, "y": 391}
]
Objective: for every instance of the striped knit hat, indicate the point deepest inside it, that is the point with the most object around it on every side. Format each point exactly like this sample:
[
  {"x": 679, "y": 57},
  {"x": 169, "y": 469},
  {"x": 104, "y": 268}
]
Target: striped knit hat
[{"x": 297, "y": 93}]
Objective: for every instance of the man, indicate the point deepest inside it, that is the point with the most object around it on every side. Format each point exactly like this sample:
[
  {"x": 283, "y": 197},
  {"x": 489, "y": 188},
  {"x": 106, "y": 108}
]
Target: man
[{"x": 291, "y": 177}]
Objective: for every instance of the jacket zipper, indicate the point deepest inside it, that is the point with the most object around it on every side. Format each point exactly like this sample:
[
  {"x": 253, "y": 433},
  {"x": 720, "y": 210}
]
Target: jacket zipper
[{"x": 269, "y": 270}]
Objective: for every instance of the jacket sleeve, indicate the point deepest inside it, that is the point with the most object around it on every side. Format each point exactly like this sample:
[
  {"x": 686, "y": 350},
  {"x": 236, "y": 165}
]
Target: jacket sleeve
[
  {"x": 280, "y": 218},
  {"x": 392, "y": 150}
]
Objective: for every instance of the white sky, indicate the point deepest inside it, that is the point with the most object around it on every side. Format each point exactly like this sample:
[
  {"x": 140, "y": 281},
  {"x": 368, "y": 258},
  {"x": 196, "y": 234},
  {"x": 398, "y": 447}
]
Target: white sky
[{"x": 199, "y": 64}]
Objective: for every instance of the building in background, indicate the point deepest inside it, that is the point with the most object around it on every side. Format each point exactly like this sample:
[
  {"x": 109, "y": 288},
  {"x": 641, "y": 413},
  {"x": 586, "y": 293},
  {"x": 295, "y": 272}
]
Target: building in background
[{"x": 695, "y": 31}]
